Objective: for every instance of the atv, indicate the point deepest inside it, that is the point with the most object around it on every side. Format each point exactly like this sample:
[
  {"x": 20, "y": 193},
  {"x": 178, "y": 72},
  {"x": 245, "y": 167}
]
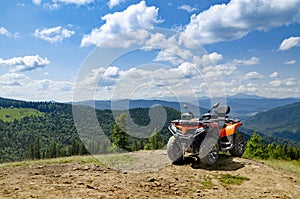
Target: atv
[{"x": 203, "y": 138}]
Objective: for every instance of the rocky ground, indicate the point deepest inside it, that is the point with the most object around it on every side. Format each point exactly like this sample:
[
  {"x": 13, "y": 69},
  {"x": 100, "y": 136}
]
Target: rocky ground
[{"x": 149, "y": 174}]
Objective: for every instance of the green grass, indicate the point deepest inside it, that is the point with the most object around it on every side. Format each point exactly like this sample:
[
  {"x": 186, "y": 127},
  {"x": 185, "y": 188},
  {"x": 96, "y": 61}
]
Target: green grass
[
  {"x": 11, "y": 114},
  {"x": 288, "y": 165},
  {"x": 116, "y": 159},
  {"x": 61, "y": 160},
  {"x": 105, "y": 160},
  {"x": 227, "y": 179}
]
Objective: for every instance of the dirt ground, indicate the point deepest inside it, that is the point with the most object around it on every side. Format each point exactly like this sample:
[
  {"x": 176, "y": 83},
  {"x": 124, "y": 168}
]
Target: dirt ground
[{"x": 150, "y": 176}]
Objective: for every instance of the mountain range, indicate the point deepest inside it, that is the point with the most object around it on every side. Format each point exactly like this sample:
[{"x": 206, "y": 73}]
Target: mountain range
[
  {"x": 242, "y": 105},
  {"x": 282, "y": 122}
]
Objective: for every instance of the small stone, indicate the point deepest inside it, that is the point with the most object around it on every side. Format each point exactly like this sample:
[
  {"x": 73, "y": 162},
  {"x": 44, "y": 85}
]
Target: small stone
[
  {"x": 90, "y": 187},
  {"x": 151, "y": 179}
]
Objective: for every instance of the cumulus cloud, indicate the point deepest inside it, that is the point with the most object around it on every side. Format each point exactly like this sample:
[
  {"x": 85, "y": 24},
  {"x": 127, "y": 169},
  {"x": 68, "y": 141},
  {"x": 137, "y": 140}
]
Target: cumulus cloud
[
  {"x": 289, "y": 43},
  {"x": 253, "y": 75},
  {"x": 134, "y": 17},
  {"x": 26, "y": 63},
  {"x": 5, "y": 32},
  {"x": 274, "y": 75},
  {"x": 77, "y": 2},
  {"x": 36, "y": 2},
  {"x": 13, "y": 79},
  {"x": 187, "y": 8},
  {"x": 17, "y": 85},
  {"x": 225, "y": 22},
  {"x": 246, "y": 62},
  {"x": 291, "y": 62},
  {"x": 113, "y": 3},
  {"x": 53, "y": 35}
]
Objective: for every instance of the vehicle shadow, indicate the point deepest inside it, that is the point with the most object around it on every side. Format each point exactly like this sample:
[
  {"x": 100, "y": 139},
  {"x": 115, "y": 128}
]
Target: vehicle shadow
[{"x": 224, "y": 163}]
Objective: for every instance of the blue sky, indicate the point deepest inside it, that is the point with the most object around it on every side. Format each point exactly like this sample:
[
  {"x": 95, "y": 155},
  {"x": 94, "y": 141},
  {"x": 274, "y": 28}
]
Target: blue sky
[{"x": 230, "y": 47}]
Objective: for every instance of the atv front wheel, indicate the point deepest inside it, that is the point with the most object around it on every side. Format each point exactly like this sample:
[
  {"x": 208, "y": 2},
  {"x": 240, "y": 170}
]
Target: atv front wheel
[
  {"x": 209, "y": 156},
  {"x": 175, "y": 152},
  {"x": 239, "y": 146}
]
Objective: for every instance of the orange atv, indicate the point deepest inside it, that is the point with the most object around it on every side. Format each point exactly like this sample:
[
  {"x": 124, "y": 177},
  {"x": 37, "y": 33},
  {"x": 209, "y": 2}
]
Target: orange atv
[{"x": 204, "y": 137}]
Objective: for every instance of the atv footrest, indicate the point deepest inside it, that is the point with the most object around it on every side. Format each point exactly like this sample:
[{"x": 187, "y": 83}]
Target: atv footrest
[{"x": 226, "y": 146}]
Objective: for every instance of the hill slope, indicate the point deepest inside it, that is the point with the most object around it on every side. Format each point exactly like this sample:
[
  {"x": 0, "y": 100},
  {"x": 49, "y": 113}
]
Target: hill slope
[
  {"x": 282, "y": 122},
  {"x": 46, "y": 129},
  {"x": 229, "y": 178}
]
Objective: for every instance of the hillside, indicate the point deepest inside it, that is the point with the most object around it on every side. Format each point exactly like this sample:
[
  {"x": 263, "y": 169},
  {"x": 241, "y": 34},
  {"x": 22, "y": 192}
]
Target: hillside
[
  {"x": 123, "y": 176},
  {"x": 244, "y": 106},
  {"x": 282, "y": 122},
  {"x": 34, "y": 130}
]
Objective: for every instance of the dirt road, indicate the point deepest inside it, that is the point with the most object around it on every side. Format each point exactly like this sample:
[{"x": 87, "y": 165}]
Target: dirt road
[{"x": 149, "y": 174}]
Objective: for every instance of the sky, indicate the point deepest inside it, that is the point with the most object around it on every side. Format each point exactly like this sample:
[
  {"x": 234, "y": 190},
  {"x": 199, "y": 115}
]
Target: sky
[{"x": 72, "y": 50}]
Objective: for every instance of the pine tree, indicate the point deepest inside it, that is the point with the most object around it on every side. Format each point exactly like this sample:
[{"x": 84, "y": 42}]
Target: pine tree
[
  {"x": 254, "y": 148},
  {"x": 155, "y": 141},
  {"x": 120, "y": 138}
]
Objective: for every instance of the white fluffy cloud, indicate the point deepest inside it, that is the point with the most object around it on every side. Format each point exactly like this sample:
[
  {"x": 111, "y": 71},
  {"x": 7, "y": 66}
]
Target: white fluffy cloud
[
  {"x": 253, "y": 75},
  {"x": 26, "y": 63},
  {"x": 239, "y": 17},
  {"x": 53, "y": 35},
  {"x": 20, "y": 86},
  {"x": 274, "y": 75},
  {"x": 291, "y": 62},
  {"x": 246, "y": 62},
  {"x": 77, "y": 2},
  {"x": 36, "y": 2},
  {"x": 113, "y": 3},
  {"x": 5, "y": 32},
  {"x": 187, "y": 8},
  {"x": 134, "y": 17},
  {"x": 289, "y": 43}
]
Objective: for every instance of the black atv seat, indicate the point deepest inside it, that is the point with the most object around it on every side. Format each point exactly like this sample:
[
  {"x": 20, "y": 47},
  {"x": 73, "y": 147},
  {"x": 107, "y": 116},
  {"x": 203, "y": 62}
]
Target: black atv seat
[{"x": 222, "y": 110}]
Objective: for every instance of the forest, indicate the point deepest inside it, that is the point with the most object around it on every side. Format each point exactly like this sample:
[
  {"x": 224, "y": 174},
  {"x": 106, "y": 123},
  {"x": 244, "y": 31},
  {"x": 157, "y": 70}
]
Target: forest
[{"x": 47, "y": 130}]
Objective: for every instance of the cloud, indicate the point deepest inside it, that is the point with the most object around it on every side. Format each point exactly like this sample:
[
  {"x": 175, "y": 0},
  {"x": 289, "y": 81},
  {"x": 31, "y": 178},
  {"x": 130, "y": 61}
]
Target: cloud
[
  {"x": 14, "y": 79},
  {"x": 5, "y": 32},
  {"x": 289, "y": 43},
  {"x": 246, "y": 62},
  {"x": 134, "y": 17},
  {"x": 26, "y": 63},
  {"x": 20, "y": 86},
  {"x": 36, "y": 2},
  {"x": 187, "y": 8},
  {"x": 291, "y": 62},
  {"x": 113, "y": 3},
  {"x": 274, "y": 75},
  {"x": 225, "y": 22},
  {"x": 253, "y": 75},
  {"x": 53, "y": 35},
  {"x": 77, "y": 2}
]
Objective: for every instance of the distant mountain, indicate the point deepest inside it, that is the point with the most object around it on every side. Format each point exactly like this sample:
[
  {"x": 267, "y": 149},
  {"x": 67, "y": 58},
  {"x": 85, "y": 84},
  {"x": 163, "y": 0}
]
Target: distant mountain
[
  {"x": 282, "y": 122},
  {"x": 131, "y": 104},
  {"x": 244, "y": 106},
  {"x": 245, "y": 96}
]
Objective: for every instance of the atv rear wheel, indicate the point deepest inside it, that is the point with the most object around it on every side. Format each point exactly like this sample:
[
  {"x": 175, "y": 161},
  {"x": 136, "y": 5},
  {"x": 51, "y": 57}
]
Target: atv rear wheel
[
  {"x": 209, "y": 156},
  {"x": 175, "y": 152},
  {"x": 239, "y": 146}
]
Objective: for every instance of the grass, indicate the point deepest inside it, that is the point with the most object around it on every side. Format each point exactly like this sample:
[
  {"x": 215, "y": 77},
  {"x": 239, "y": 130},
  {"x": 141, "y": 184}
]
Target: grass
[
  {"x": 11, "y": 114},
  {"x": 288, "y": 165},
  {"x": 61, "y": 160},
  {"x": 227, "y": 179},
  {"x": 108, "y": 160},
  {"x": 116, "y": 159}
]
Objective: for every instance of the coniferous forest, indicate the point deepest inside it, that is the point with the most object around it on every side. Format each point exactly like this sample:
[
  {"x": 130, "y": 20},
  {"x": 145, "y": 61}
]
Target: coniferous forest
[
  {"x": 49, "y": 131},
  {"x": 37, "y": 130}
]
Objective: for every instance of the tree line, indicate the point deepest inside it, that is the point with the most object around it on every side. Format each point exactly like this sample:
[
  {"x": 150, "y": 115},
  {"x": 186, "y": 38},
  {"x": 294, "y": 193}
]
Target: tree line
[{"x": 256, "y": 148}]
